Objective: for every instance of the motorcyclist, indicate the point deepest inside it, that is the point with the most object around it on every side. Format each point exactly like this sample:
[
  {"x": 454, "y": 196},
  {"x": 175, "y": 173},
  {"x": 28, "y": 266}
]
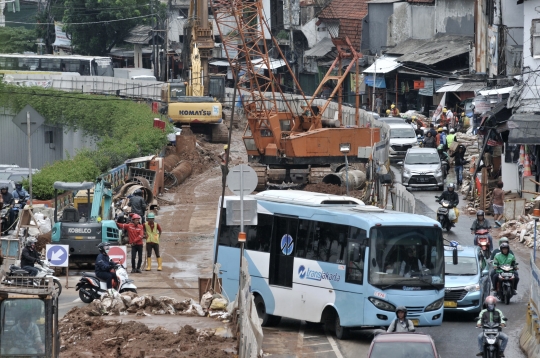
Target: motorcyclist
[
  {"x": 105, "y": 267},
  {"x": 505, "y": 258},
  {"x": 401, "y": 323},
  {"x": 442, "y": 153},
  {"x": 481, "y": 223},
  {"x": 491, "y": 314},
  {"x": 20, "y": 194},
  {"x": 137, "y": 204},
  {"x": 7, "y": 200},
  {"x": 452, "y": 196},
  {"x": 493, "y": 254},
  {"x": 30, "y": 256}
]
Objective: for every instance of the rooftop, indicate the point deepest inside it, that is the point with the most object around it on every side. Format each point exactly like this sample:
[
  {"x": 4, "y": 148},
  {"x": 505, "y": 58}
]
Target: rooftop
[{"x": 403, "y": 337}]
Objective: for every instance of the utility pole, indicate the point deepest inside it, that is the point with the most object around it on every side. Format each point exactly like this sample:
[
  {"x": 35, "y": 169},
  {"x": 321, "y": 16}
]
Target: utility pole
[
  {"x": 291, "y": 41},
  {"x": 154, "y": 55}
]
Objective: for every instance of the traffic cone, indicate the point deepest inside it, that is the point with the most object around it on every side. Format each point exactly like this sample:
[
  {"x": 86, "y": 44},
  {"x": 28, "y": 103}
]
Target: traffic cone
[{"x": 527, "y": 167}]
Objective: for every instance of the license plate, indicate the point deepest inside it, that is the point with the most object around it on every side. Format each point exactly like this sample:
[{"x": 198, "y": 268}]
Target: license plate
[
  {"x": 422, "y": 179},
  {"x": 450, "y": 304},
  {"x": 415, "y": 322},
  {"x": 507, "y": 275}
]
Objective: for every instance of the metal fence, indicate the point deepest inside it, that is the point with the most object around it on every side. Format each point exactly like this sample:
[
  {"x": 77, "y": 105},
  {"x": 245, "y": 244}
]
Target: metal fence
[
  {"x": 402, "y": 200},
  {"x": 251, "y": 334},
  {"x": 530, "y": 335}
]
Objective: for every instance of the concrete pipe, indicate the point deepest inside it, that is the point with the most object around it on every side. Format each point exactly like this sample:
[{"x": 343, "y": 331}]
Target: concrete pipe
[
  {"x": 182, "y": 172},
  {"x": 171, "y": 161},
  {"x": 357, "y": 179}
]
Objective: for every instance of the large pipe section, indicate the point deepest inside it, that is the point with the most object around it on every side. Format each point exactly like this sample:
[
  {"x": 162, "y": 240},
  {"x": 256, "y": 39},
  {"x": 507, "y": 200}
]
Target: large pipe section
[
  {"x": 182, "y": 172},
  {"x": 357, "y": 178}
]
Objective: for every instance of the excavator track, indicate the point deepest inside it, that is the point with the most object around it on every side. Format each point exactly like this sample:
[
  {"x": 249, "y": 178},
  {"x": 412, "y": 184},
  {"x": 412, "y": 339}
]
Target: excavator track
[
  {"x": 219, "y": 133},
  {"x": 261, "y": 176},
  {"x": 317, "y": 174}
]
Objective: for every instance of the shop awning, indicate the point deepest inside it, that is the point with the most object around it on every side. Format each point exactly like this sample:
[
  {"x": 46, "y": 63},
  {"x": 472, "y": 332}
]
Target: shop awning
[
  {"x": 219, "y": 63},
  {"x": 429, "y": 52},
  {"x": 383, "y": 65},
  {"x": 320, "y": 49},
  {"x": 505, "y": 90},
  {"x": 273, "y": 63},
  {"x": 524, "y": 129},
  {"x": 462, "y": 87}
]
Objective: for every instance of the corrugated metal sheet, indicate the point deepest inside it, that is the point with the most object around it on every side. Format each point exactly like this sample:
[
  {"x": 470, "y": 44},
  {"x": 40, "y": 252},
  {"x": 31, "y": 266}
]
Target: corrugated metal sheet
[
  {"x": 15, "y": 147},
  {"x": 429, "y": 52},
  {"x": 321, "y": 48}
]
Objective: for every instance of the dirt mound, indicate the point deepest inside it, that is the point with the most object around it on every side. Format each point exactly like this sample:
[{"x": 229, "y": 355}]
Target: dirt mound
[
  {"x": 334, "y": 189},
  {"x": 81, "y": 334}
]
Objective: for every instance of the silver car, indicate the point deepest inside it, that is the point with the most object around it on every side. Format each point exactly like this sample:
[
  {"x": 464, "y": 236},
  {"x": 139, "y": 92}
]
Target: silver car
[{"x": 422, "y": 169}]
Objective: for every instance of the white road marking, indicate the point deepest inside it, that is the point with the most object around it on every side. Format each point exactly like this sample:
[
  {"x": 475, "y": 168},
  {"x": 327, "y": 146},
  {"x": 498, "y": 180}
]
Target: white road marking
[
  {"x": 334, "y": 346},
  {"x": 315, "y": 344},
  {"x": 323, "y": 352}
]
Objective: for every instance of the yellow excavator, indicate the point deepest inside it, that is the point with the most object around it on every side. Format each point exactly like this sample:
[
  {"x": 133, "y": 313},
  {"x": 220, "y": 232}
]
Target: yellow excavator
[{"x": 191, "y": 102}]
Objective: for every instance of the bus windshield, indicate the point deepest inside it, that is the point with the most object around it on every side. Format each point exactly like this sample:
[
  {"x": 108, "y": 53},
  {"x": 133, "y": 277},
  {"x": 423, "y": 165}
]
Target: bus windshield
[{"x": 408, "y": 258}]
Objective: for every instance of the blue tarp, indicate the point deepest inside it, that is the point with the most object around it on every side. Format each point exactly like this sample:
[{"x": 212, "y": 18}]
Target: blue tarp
[{"x": 381, "y": 83}]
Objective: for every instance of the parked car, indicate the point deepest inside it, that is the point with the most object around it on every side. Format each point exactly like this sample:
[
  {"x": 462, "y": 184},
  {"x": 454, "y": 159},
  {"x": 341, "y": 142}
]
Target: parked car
[
  {"x": 422, "y": 168},
  {"x": 4, "y": 167},
  {"x": 16, "y": 174},
  {"x": 467, "y": 284},
  {"x": 391, "y": 119},
  {"x": 403, "y": 345},
  {"x": 402, "y": 138}
]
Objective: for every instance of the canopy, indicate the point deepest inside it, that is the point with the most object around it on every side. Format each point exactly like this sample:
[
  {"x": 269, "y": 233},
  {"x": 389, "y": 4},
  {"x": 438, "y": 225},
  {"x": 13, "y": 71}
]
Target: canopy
[
  {"x": 85, "y": 185},
  {"x": 383, "y": 65},
  {"x": 524, "y": 129}
]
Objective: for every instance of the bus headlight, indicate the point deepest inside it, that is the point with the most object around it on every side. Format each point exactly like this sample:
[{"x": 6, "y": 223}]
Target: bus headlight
[
  {"x": 382, "y": 305},
  {"x": 472, "y": 288},
  {"x": 435, "y": 305}
]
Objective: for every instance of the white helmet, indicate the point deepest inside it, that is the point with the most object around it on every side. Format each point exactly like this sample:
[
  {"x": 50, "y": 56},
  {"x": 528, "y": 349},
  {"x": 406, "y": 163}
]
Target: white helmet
[
  {"x": 452, "y": 130},
  {"x": 444, "y": 128}
]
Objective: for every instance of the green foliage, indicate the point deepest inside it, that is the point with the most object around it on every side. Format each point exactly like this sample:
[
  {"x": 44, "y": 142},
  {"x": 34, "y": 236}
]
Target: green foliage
[
  {"x": 123, "y": 129},
  {"x": 17, "y": 39}
]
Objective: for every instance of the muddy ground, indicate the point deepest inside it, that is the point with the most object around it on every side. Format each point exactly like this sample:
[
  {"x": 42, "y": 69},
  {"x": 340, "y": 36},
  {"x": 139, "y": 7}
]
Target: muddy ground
[{"x": 86, "y": 336}]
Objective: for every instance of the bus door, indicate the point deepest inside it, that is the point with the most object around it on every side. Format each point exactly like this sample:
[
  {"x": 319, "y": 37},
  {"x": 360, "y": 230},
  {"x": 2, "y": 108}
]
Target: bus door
[{"x": 282, "y": 251}]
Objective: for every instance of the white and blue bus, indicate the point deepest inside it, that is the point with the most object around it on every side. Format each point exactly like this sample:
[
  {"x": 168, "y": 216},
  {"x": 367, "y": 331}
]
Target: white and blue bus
[
  {"x": 29, "y": 63},
  {"x": 332, "y": 259}
]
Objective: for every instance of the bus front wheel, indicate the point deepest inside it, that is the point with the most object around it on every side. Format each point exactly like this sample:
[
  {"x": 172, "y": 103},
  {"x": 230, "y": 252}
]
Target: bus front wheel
[
  {"x": 266, "y": 319},
  {"x": 341, "y": 332}
]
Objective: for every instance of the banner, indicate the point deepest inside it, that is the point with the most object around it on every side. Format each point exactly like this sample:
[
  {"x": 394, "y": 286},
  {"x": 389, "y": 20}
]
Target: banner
[
  {"x": 418, "y": 84},
  {"x": 427, "y": 90},
  {"x": 438, "y": 112},
  {"x": 381, "y": 83},
  {"x": 61, "y": 37}
]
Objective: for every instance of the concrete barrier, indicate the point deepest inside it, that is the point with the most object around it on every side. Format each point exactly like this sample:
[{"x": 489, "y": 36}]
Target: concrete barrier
[{"x": 530, "y": 335}]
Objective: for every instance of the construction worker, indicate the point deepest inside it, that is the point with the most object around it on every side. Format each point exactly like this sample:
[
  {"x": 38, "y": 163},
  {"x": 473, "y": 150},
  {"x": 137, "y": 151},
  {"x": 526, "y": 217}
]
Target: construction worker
[
  {"x": 136, "y": 234},
  {"x": 224, "y": 169},
  {"x": 152, "y": 234},
  {"x": 444, "y": 119},
  {"x": 450, "y": 137},
  {"x": 388, "y": 113},
  {"x": 465, "y": 121},
  {"x": 394, "y": 110}
]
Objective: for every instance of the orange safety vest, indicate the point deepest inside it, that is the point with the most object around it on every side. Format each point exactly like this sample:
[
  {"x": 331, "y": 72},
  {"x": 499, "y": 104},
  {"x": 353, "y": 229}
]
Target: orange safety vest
[{"x": 152, "y": 235}]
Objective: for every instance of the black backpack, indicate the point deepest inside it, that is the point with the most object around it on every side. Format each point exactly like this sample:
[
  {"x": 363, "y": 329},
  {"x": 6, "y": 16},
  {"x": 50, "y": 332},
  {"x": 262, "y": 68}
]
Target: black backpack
[{"x": 396, "y": 322}]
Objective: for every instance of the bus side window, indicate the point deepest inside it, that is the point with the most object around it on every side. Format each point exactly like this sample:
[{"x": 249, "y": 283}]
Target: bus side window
[
  {"x": 331, "y": 243},
  {"x": 306, "y": 229},
  {"x": 259, "y": 237},
  {"x": 228, "y": 234}
]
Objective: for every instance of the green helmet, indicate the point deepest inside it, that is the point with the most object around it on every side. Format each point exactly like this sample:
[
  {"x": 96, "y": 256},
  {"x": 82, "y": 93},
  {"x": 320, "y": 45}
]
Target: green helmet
[{"x": 503, "y": 239}]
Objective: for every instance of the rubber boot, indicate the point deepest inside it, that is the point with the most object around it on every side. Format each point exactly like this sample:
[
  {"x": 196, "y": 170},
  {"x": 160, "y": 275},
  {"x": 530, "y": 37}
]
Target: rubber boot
[
  {"x": 148, "y": 264},
  {"x": 159, "y": 262}
]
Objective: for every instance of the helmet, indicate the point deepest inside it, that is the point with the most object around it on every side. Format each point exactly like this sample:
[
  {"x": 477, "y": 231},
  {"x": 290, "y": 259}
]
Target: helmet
[
  {"x": 490, "y": 303},
  {"x": 2, "y": 187},
  {"x": 503, "y": 240},
  {"x": 480, "y": 213},
  {"x": 387, "y": 111},
  {"x": 452, "y": 130},
  {"x": 413, "y": 118},
  {"x": 226, "y": 146},
  {"x": 402, "y": 309},
  {"x": 439, "y": 130},
  {"x": 151, "y": 216},
  {"x": 138, "y": 192},
  {"x": 104, "y": 247},
  {"x": 463, "y": 114},
  {"x": 31, "y": 241},
  {"x": 451, "y": 186},
  {"x": 18, "y": 185},
  {"x": 393, "y": 106},
  {"x": 504, "y": 245},
  {"x": 444, "y": 128},
  {"x": 135, "y": 216},
  {"x": 444, "y": 110}
]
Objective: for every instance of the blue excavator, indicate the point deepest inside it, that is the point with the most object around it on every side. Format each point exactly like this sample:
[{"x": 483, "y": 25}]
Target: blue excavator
[{"x": 84, "y": 231}]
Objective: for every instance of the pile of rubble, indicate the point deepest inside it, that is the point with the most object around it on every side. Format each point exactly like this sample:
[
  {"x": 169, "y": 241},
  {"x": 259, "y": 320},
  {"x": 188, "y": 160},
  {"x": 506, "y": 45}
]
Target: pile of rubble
[
  {"x": 125, "y": 303},
  {"x": 521, "y": 230}
]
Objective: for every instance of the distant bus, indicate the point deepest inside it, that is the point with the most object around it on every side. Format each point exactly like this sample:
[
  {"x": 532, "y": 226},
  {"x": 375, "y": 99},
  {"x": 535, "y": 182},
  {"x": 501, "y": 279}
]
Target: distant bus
[
  {"x": 332, "y": 259},
  {"x": 52, "y": 64}
]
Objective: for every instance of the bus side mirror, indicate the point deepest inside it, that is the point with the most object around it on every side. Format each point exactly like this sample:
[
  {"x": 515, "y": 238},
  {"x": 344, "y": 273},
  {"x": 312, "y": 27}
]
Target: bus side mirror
[{"x": 454, "y": 257}]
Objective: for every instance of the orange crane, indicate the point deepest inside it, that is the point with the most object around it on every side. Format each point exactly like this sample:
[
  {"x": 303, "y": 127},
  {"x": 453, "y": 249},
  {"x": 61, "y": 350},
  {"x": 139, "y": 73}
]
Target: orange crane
[{"x": 287, "y": 137}]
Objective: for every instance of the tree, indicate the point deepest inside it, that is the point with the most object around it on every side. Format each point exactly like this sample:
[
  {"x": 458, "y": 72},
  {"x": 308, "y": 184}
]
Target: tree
[
  {"x": 17, "y": 39},
  {"x": 100, "y": 38}
]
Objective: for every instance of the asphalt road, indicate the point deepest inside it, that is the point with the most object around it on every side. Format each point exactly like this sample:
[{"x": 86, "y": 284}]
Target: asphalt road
[{"x": 457, "y": 337}]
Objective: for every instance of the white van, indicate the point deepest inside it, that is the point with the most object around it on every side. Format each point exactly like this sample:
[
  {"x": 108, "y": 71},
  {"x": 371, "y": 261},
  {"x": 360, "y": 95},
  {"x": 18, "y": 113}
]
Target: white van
[{"x": 402, "y": 137}]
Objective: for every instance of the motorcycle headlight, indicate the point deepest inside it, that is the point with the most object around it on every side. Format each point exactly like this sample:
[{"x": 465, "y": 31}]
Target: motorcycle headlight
[
  {"x": 435, "y": 305},
  {"x": 472, "y": 288},
  {"x": 382, "y": 305}
]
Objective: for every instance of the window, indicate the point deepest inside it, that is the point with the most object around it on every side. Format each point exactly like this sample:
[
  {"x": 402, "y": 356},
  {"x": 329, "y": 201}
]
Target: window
[
  {"x": 535, "y": 40},
  {"x": 259, "y": 237},
  {"x": 356, "y": 249},
  {"x": 327, "y": 242},
  {"x": 49, "y": 137},
  {"x": 16, "y": 316}
]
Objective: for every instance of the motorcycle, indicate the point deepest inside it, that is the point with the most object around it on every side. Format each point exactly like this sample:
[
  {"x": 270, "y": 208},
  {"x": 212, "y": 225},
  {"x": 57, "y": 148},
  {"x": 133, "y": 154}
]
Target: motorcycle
[
  {"x": 91, "y": 287},
  {"x": 505, "y": 289},
  {"x": 491, "y": 339},
  {"x": 20, "y": 277},
  {"x": 4, "y": 220},
  {"x": 443, "y": 214},
  {"x": 482, "y": 236}
]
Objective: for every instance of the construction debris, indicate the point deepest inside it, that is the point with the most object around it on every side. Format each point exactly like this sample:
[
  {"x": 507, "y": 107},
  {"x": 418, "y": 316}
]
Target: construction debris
[{"x": 521, "y": 230}]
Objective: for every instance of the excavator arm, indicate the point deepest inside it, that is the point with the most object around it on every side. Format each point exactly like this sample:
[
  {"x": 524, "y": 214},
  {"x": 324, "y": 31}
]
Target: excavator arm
[{"x": 102, "y": 192}]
